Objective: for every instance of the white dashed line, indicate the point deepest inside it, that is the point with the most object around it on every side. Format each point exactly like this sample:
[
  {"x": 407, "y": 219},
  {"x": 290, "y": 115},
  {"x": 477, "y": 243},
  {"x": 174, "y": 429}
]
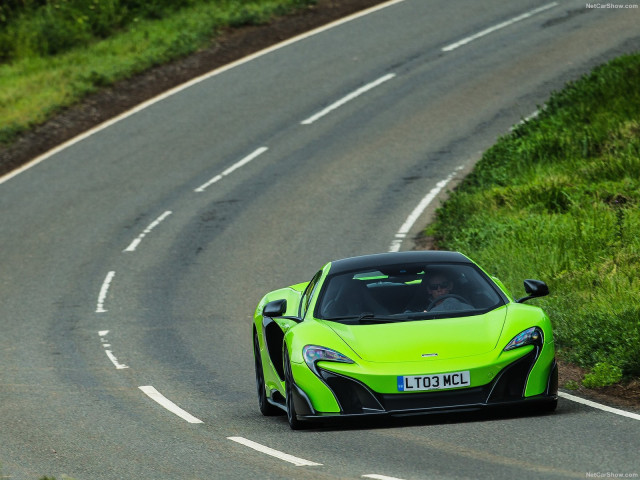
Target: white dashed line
[
  {"x": 499, "y": 26},
  {"x": 132, "y": 247},
  {"x": 380, "y": 477},
  {"x": 348, "y": 98},
  {"x": 157, "y": 397},
  {"x": 114, "y": 360},
  {"x": 110, "y": 355},
  {"x": 299, "y": 462},
  {"x": 232, "y": 168},
  {"x": 103, "y": 292}
]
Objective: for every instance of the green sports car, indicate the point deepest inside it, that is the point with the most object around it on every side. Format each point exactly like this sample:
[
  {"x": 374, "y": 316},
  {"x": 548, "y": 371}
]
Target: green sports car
[{"x": 400, "y": 334}]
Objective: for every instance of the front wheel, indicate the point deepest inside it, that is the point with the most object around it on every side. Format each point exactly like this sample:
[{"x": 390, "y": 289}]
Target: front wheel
[
  {"x": 292, "y": 416},
  {"x": 266, "y": 408}
]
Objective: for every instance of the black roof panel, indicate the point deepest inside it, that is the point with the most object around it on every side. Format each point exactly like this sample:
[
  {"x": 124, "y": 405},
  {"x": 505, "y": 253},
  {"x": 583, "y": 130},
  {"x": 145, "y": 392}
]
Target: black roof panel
[{"x": 394, "y": 258}]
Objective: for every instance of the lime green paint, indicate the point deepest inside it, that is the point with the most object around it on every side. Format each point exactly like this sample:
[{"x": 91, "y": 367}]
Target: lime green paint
[{"x": 382, "y": 352}]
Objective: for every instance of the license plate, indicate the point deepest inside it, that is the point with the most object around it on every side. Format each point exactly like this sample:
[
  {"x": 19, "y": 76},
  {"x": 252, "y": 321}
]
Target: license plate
[{"x": 421, "y": 383}]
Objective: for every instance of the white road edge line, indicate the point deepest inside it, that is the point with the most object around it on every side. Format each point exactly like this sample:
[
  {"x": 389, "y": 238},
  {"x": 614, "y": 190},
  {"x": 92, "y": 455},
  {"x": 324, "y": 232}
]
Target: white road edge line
[
  {"x": 525, "y": 120},
  {"x": 133, "y": 245},
  {"x": 299, "y": 462},
  {"x": 499, "y": 26},
  {"x": 192, "y": 82},
  {"x": 599, "y": 406},
  {"x": 353, "y": 95},
  {"x": 103, "y": 292},
  {"x": 157, "y": 397},
  {"x": 380, "y": 477},
  {"x": 413, "y": 217},
  {"x": 232, "y": 168}
]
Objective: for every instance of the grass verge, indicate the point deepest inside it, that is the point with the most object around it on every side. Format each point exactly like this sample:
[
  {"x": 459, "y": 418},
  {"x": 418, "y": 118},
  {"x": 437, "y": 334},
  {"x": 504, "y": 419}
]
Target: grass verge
[
  {"x": 559, "y": 199},
  {"x": 35, "y": 86}
]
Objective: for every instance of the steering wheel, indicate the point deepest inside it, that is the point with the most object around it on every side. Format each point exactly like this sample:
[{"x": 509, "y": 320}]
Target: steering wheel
[{"x": 444, "y": 297}]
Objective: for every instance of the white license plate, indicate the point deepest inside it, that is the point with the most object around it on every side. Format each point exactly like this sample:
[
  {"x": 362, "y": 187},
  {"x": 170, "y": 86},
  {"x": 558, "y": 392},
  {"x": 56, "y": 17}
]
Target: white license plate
[{"x": 421, "y": 383}]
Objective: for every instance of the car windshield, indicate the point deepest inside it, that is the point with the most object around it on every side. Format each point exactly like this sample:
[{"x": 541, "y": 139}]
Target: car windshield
[{"x": 407, "y": 292}]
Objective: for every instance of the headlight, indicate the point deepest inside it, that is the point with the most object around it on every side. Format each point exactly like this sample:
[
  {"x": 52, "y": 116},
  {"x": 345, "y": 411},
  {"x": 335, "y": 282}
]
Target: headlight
[
  {"x": 530, "y": 336},
  {"x": 313, "y": 354}
]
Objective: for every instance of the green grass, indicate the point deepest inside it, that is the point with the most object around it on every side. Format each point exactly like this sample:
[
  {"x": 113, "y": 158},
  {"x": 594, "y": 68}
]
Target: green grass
[
  {"x": 559, "y": 199},
  {"x": 37, "y": 80}
]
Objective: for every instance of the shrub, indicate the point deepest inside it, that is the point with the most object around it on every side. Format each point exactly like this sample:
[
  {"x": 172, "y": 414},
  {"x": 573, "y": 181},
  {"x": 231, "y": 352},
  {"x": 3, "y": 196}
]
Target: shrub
[{"x": 603, "y": 374}]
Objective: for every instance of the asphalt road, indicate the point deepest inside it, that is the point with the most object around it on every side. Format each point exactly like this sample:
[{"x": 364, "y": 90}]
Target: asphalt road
[{"x": 134, "y": 258}]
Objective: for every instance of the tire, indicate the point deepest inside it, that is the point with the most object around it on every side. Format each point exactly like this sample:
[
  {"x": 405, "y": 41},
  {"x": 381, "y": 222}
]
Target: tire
[
  {"x": 266, "y": 408},
  {"x": 292, "y": 417}
]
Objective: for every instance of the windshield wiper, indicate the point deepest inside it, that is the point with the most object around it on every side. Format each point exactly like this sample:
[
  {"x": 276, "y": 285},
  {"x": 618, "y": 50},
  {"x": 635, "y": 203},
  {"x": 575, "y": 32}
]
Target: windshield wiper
[
  {"x": 337, "y": 319},
  {"x": 367, "y": 317},
  {"x": 373, "y": 318}
]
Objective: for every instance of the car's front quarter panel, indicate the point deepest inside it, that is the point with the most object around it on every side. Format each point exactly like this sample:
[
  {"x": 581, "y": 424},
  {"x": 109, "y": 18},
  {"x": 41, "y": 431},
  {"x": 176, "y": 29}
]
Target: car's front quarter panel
[
  {"x": 321, "y": 397},
  {"x": 313, "y": 332},
  {"x": 291, "y": 294},
  {"x": 273, "y": 369},
  {"x": 538, "y": 380},
  {"x": 519, "y": 318}
]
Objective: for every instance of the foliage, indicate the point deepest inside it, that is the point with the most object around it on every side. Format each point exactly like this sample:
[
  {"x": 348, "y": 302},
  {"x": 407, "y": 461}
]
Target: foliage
[
  {"x": 559, "y": 199},
  {"x": 602, "y": 375},
  {"x": 56, "y": 52},
  {"x": 51, "y": 27},
  {"x": 572, "y": 385}
]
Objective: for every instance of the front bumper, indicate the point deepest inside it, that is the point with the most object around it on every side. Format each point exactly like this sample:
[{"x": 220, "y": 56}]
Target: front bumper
[{"x": 354, "y": 398}]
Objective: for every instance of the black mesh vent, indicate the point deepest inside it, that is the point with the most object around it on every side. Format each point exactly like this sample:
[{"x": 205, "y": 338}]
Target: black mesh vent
[
  {"x": 511, "y": 381},
  {"x": 424, "y": 401},
  {"x": 352, "y": 396}
]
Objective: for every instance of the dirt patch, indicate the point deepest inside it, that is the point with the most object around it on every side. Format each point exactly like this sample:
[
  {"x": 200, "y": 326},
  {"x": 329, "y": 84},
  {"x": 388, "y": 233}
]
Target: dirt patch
[
  {"x": 110, "y": 102},
  {"x": 623, "y": 395}
]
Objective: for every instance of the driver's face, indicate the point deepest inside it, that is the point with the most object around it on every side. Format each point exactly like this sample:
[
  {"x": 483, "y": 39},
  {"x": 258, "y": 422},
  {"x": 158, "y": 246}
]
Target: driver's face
[{"x": 439, "y": 285}]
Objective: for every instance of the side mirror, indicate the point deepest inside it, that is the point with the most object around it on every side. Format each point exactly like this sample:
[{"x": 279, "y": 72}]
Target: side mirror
[
  {"x": 535, "y": 289},
  {"x": 276, "y": 308}
]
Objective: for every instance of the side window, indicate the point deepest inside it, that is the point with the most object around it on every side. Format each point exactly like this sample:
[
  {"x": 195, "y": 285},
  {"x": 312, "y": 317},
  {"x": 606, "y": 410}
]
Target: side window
[{"x": 308, "y": 294}]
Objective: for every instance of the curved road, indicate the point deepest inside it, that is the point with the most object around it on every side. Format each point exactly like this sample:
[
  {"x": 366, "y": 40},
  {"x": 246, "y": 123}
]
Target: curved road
[{"x": 132, "y": 259}]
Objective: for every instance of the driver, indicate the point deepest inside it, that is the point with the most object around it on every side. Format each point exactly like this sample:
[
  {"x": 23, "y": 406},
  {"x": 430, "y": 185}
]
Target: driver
[{"x": 440, "y": 298}]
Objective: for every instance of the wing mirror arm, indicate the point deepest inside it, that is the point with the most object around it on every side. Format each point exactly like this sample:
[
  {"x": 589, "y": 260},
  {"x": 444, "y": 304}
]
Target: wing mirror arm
[
  {"x": 535, "y": 289},
  {"x": 276, "y": 309}
]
